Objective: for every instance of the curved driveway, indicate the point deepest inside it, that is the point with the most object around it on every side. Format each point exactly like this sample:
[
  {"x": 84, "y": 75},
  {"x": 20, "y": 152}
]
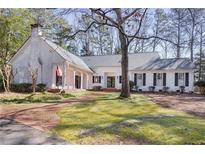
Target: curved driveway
[{"x": 15, "y": 133}]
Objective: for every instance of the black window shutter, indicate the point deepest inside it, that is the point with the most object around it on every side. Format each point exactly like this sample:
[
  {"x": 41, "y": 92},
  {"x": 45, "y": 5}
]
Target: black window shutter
[
  {"x": 164, "y": 79},
  {"x": 144, "y": 79},
  {"x": 99, "y": 79},
  {"x": 154, "y": 79},
  {"x": 93, "y": 79},
  {"x": 176, "y": 79},
  {"x": 135, "y": 78},
  {"x": 186, "y": 79},
  {"x": 120, "y": 79}
]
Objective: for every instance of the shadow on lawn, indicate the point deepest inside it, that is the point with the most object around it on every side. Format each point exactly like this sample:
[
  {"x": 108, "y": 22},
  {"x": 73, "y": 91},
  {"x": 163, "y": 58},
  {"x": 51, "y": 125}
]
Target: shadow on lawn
[{"x": 145, "y": 127}]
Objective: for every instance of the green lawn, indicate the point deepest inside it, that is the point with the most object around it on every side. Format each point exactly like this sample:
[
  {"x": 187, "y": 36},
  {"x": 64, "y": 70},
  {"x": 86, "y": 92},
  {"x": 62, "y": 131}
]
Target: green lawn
[
  {"x": 110, "y": 120},
  {"x": 44, "y": 97}
]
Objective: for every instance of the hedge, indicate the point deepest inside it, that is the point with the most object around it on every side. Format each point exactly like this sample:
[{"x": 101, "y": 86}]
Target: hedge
[{"x": 27, "y": 87}]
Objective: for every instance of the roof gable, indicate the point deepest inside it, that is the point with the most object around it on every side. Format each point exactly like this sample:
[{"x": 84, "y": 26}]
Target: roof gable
[
  {"x": 71, "y": 58},
  {"x": 20, "y": 49}
]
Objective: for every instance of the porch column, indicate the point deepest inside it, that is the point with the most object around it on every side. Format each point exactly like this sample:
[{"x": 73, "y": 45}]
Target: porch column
[
  {"x": 74, "y": 79},
  {"x": 87, "y": 79},
  {"x": 81, "y": 82},
  {"x": 64, "y": 76}
]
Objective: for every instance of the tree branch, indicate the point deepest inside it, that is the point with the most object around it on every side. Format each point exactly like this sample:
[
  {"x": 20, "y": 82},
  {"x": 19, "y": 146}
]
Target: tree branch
[
  {"x": 129, "y": 15},
  {"x": 151, "y": 37},
  {"x": 139, "y": 27},
  {"x": 101, "y": 13},
  {"x": 81, "y": 31}
]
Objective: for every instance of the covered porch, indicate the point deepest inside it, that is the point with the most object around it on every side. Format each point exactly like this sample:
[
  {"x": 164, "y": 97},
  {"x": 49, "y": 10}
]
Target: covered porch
[{"x": 69, "y": 77}]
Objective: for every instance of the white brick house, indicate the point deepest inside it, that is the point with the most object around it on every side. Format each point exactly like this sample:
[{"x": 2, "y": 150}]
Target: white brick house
[{"x": 58, "y": 68}]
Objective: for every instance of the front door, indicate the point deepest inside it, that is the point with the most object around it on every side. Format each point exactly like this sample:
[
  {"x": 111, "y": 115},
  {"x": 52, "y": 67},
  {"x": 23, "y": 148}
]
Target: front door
[
  {"x": 77, "y": 82},
  {"x": 110, "y": 82}
]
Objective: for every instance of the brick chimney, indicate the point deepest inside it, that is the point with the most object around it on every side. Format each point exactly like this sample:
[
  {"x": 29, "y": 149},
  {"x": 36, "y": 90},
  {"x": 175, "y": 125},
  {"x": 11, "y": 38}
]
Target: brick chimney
[{"x": 36, "y": 29}]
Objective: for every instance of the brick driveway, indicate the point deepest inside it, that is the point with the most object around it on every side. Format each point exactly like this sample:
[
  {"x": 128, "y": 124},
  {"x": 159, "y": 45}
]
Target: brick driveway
[
  {"x": 40, "y": 116},
  {"x": 190, "y": 103},
  {"x": 27, "y": 123}
]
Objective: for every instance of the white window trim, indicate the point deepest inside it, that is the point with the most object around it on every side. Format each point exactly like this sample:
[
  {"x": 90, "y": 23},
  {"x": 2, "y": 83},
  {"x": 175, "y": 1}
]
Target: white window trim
[
  {"x": 159, "y": 80},
  {"x": 139, "y": 79},
  {"x": 181, "y": 81}
]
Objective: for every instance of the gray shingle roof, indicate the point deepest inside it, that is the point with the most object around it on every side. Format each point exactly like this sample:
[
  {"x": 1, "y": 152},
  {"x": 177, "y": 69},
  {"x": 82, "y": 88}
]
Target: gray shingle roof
[
  {"x": 168, "y": 64},
  {"x": 73, "y": 59},
  {"x": 135, "y": 60}
]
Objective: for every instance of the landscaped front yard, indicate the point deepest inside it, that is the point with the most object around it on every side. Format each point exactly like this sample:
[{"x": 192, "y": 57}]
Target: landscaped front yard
[
  {"x": 104, "y": 118},
  {"x": 110, "y": 120}
]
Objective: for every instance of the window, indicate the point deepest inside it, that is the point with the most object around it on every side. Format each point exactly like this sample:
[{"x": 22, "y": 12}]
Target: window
[
  {"x": 139, "y": 76},
  {"x": 181, "y": 76},
  {"x": 120, "y": 79},
  {"x": 59, "y": 77},
  {"x": 139, "y": 80},
  {"x": 159, "y": 76},
  {"x": 181, "y": 79},
  {"x": 159, "y": 79},
  {"x": 59, "y": 81},
  {"x": 96, "y": 79}
]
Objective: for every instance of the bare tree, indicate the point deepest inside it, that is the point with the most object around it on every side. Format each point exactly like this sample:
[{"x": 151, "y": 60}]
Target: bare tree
[
  {"x": 200, "y": 43},
  {"x": 5, "y": 72},
  {"x": 159, "y": 27},
  {"x": 34, "y": 75},
  {"x": 193, "y": 20},
  {"x": 176, "y": 26},
  {"x": 128, "y": 24}
]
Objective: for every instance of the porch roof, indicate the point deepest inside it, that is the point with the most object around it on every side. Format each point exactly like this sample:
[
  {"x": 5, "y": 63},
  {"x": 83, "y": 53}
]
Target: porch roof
[
  {"x": 135, "y": 60},
  {"x": 168, "y": 64}
]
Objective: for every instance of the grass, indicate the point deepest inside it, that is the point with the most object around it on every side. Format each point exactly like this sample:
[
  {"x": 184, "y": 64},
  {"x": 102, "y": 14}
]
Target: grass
[
  {"x": 45, "y": 97},
  {"x": 110, "y": 120}
]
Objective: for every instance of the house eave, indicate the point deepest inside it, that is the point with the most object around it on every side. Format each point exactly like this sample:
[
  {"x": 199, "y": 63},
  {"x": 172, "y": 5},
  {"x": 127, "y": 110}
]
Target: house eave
[{"x": 134, "y": 70}]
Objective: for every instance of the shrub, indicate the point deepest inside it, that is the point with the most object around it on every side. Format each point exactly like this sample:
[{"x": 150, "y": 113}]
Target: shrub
[
  {"x": 151, "y": 88},
  {"x": 131, "y": 85},
  {"x": 165, "y": 89},
  {"x": 41, "y": 87},
  {"x": 67, "y": 95},
  {"x": 1, "y": 85},
  {"x": 182, "y": 88},
  {"x": 21, "y": 87},
  {"x": 136, "y": 88},
  {"x": 97, "y": 88},
  {"x": 201, "y": 85},
  {"x": 27, "y": 87},
  {"x": 54, "y": 90},
  {"x": 62, "y": 91}
]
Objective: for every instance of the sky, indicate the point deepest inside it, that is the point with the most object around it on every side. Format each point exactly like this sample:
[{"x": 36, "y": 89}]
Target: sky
[{"x": 72, "y": 19}]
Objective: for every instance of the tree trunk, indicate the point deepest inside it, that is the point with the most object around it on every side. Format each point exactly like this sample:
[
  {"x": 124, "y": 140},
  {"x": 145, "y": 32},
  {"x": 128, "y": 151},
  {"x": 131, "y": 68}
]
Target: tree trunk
[
  {"x": 192, "y": 41},
  {"x": 3, "y": 81},
  {"x": 155, "y": 41},
  {"x": 200, "y": 51},
  {"x": 178, "y": 36},
  {"x": 178, "y": 44},
  {"x": 34, "y": 85},
  {"x": 5, "y": 72},
  {"x": 125, "y": 90}
]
